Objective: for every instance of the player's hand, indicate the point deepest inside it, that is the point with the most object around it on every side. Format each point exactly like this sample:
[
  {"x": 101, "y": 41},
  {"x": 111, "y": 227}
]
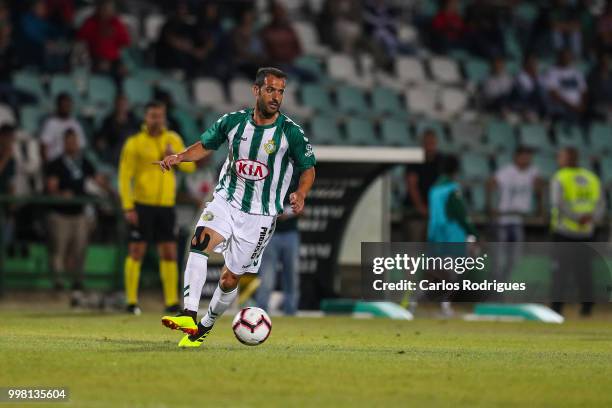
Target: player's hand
[
  {"x": 131, "y": 216},
  {"x": 297, "y": 202},
  {"x": 169, "y": 161}
]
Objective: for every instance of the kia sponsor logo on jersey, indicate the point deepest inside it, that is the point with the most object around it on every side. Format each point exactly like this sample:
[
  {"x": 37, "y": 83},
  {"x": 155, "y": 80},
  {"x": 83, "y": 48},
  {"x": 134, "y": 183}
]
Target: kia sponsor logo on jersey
[{"x": 251, "y": 169}]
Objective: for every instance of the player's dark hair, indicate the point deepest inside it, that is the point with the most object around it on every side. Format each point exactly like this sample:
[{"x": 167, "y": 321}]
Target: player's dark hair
[
  {"x": 573, "y": 155},
  {"x": 154, "y": 105},
  {"x": 450, "y": 165},
  {"x": 262, "y": 73},
  {"x": 6, "y": 130},
  {"x": 61, "y": 97},
  {"x": 522, "y": 150}
]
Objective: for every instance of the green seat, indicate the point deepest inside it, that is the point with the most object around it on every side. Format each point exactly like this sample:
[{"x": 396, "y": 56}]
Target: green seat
[
  {"x": 30, "y": 82},
  {"x": 190, "y": 131},
  {"x": 150, "y": 75},
  {"x": 500, "y": 136},
  {"x": 65, "y": 84},
  {"x": 474, "y": 166},
  {"x": 359, "y": 131},
  {"x": 535, "y": 137},
  {"x": 101, "y": 90},
  {"x": 476, "y": 70},
  {"x": 606, "y": 169},
  {"x": 351, "y": 100},
  {"x": 210, "y": 117},
  {"x": 317, "y": 98},
  {"x": 466, "y": 134},
  {"x": 386, "y": 101},
  {"x": 396, "y": 133},
  {"x": 546, "y": 164},
  {"x": 478, "y": 197},
  {"x": 137, "y": 90},
  {"x": 31, "y": 117},
  {"x": 325, "y": 131},
  {"x": 526, "y": 11},
  {"x": 568, "y": 136},
  {"x": 600, "y": 135},
  {"x": 310, "y": 63},
  {"x": 177, "y": 89},
  {"x": 434, "y": 125}
]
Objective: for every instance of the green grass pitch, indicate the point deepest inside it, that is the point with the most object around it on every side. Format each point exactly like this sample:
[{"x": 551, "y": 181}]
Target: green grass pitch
[{"x": 110, "y": 360}]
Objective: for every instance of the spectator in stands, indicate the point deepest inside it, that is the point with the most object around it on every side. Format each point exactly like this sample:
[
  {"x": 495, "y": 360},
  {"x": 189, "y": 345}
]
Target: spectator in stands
[
  {"x": 381, "y": 26},
  {"x": 105, "y": 36},
  {"x": 245, "y": 49},
  {"x": 38, "y": 39},
  {"x": 61, "y": 12},
  {"x": 282, "y": 44},
  {"x": 516, "y": 185},
  {"x": 7, "y": 177},
  {"x": 600, "y": 89},
  {"x": 565, "y": 26},
  {"x": 177, "y": 47},
  {"x": 69, "y": 227},
  {"x": 419, "y": 179},
  {"x": 566, "y": 89},
  {"x": 486, "y": 37},
  {"x": 448, "y": 29},
  {"x": 340, "y": 25},
  {"x": 604, "y": 30},
  {"x": 54, "y": 129},
  {"x": 115, "y": 129},
  {"x": 528, "y": 91},
  {"x": 497, "y": 88}
]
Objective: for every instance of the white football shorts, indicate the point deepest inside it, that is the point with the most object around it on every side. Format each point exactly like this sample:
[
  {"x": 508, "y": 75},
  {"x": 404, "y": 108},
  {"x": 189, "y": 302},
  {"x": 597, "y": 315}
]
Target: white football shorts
[{"x": 246, "y": 235}]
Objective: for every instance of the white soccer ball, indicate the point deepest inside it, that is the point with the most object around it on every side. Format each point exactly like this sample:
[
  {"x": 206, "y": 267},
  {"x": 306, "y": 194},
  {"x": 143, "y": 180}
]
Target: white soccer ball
[{"x": 252, "y": 326}]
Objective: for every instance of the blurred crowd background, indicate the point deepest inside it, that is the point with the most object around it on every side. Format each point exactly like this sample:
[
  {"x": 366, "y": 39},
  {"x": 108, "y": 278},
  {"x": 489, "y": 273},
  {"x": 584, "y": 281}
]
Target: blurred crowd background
[{"x": 477, "y": 78}]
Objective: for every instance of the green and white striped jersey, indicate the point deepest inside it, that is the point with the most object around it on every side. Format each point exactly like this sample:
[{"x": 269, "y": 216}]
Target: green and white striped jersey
[{"x": 257, "y": 172}]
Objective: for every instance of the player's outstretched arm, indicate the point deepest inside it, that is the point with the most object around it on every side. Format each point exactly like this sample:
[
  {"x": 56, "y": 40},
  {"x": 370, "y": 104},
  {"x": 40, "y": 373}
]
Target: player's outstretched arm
[
  {"x": 193, "y": 153},
  {"x": 297, "y": 198}
]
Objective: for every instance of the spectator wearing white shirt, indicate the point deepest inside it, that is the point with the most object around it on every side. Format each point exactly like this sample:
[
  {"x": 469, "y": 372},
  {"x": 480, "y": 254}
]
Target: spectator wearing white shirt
[
  {"x": 515, "y": 187},
  {"x": 54, "y": 128},
  {"x": 497, "y": 88},
  {"x": 528, "y": 91},
  {"x": 566, "y": 89}
]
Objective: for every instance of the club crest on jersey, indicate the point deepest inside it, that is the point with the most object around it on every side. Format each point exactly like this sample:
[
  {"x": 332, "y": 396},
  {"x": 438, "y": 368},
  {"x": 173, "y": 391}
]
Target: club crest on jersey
[
  {"x": 270, "y": 146},
  {"x": 251, "y": 169},
  {"x": 208, "y": 216}
]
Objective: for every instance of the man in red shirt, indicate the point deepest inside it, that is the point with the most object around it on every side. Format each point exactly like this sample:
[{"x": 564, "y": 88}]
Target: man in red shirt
[{"x": 105, "y": 35}]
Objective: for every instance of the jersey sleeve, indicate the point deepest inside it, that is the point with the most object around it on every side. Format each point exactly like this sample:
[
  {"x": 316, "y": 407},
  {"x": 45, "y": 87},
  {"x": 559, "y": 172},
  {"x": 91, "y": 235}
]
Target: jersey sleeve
[
  {"x": 300, "y": 149},
  {"x": 215, "y": 135}
]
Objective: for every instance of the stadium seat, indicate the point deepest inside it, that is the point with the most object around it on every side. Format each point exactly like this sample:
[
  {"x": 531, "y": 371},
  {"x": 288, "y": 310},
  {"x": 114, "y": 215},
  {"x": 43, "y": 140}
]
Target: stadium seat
[
  {"x": 500, "y": 136},
  {"x": 410, "y": 70},
  {"x": 309, "y": 39},
  {"x": 387, "y": 101},
  {"x": 190, "y": 131},
  {"x": 101, "y": 91},
  {"x": 343, "y": 68},
  {"x": 208, "y": 92},
  {"x": 153, "y": 24},
  {"x": 359, "y": 131},
  {"x": 535, "y": 137},
  {"x": 133, "y": 25},
  {"x": 209, "y": 118},
  {"x": 311, "y": 64},
  {"x": 476, "y": 70},
  {"x": 453, "y": 101},
  {"x": 65, "y": 84},
  {"x": 478, "y": 198},
  {"x": 395, "y": 132},
  {"x": 137, "y": 90},
  {"x": 606, "y": 170},
  {"x": 567, "y": 135},
  {"x": 31, "y": 117},
  {"x": 546, "y": 164},
  {"x": 30, "y": 82},
  {"x": 444, "y": 70},
  {"x": 600, "y": 136},
  {"x": 466, "y": 134},
  {"x": 316, "y": 97},
  {"x": 351, "y": 100},
  {"x": 177, "y": 89},
  {"x": 292, "y": 107},
  {"x": 422, "y": 100},
  {"x": 240, "y": 93},
  {"x": 503, "y": 158},
  {"x": 325, "y": 131},
  {"x": 6, "y": 115},
  {"x": 474, "y": 166}
]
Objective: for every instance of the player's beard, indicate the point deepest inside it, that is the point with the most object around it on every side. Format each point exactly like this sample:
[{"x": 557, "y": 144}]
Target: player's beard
[{"x": 263, "y": 109}]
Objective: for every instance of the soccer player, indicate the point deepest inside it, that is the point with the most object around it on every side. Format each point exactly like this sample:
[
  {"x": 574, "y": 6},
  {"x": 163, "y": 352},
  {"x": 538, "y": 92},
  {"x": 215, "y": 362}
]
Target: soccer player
[
  {"x": 148, "y": 199},
  {"x": 265, "y": 148}
]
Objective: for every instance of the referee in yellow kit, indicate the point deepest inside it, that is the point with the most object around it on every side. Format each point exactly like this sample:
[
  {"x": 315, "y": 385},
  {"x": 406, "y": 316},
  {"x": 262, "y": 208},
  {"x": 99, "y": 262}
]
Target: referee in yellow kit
[{"x": 148, "y": 198}]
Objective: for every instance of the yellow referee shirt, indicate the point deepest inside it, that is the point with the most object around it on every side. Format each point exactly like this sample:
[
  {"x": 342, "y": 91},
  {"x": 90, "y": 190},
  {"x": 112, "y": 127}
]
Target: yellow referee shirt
[{"x": 142, "y": 182}]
